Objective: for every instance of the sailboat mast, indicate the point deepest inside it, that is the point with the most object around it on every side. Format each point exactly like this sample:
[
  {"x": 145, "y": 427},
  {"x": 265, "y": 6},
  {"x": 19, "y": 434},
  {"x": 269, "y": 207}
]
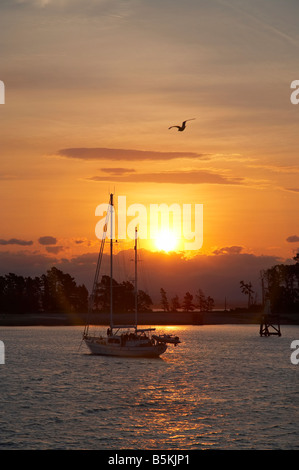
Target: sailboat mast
[
  {"x": 136, "y": 300},
  {"x": 111, "y": 259}
]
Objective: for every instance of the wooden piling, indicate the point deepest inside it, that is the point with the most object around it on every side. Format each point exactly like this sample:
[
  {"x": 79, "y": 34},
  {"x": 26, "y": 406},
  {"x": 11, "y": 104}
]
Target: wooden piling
[{"x": 270, "y": 325}]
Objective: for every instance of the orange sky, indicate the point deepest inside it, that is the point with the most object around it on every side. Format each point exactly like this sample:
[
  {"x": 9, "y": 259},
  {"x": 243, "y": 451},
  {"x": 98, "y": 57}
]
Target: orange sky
[{"x": 115, "y": 75}]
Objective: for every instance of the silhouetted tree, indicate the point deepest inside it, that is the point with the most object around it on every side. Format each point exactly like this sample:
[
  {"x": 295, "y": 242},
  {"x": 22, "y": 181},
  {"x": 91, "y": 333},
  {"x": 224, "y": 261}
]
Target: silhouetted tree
[
  {"x": 175, "y": 303},
  {"x": 2, "y": 294},
  {"x": 80, "y": 301},
  {"x": 123, "y": 297},
  {"x": 102, "y": 294},
  {"x": 54, "y": 291},
  {"x": 205, "y": 304},
  {"x": 144, "y": 301},
  {"x": 247, "y": 290},
  {"x": 210, "y": 304},
  {"x": 14, "y": 293},
  {"x": 60, "y": 292},
  {"x": 201, "y": 301},
  {"x": 187, "y": 302},
  {"x": 32, "y": 300},
  {"x": 164, "y": 301},
  {"x": 282, "y": 286}
]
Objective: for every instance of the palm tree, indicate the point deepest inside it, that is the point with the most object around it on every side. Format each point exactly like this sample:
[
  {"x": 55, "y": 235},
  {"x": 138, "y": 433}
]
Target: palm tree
[{"x": 247, "y": 290}]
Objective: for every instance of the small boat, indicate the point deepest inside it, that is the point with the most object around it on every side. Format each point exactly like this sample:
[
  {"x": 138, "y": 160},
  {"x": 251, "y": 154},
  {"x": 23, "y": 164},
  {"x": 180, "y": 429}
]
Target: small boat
[
  {"x": 123, "y": 340},
  {"x": 167, "y": 339}
]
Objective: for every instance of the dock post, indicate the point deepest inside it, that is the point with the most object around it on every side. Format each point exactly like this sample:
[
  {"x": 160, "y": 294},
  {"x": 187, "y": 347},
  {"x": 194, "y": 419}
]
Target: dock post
[{"x": 270, "y": 325}]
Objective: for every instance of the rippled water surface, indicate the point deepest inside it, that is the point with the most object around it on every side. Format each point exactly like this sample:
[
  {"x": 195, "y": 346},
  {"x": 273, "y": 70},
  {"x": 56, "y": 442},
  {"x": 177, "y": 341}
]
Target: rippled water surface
[{"x": 224, "y": 387}]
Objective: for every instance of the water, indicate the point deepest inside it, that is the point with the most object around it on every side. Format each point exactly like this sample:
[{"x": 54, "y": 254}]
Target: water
[{"x": 224, "y": 387}]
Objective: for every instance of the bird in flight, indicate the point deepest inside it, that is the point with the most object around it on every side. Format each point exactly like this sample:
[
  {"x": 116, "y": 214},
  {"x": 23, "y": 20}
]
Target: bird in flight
[{"x": 182, "y": 127}]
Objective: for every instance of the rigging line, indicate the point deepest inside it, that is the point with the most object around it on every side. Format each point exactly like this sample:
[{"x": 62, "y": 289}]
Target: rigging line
[
  {"x": 123, "y": 272},
  {"x": 119, "y": 258},
  {"x": 144, "y": 272},
  {"x": 96, "y": 277},
  {"x": 82, "y": 339}
]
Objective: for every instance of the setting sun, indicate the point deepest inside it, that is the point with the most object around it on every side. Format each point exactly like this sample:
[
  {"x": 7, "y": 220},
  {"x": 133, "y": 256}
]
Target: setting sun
[{"x": 166, "y": 241}]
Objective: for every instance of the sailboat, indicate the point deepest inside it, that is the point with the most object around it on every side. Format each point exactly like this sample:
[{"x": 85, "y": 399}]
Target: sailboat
[{"x": 123, "y": 340}]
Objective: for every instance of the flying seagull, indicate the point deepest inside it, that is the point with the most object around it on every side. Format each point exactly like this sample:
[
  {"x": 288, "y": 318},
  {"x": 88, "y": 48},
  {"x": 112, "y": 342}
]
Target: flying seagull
[{"x": 182, "y": 127}]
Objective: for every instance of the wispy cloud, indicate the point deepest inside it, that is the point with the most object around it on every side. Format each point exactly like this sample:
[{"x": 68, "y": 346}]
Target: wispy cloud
[
  {"x": 101, "y": 153},
  {"x": 288, "y": 169},
  {"x": 38, "y": 3},
  {"x": 172, "y": 177},
  {"x": 4, "y": 177},
  {"x": 229, "y": 250},
  {"x": 293, "y": 190},
  {"x": 118, "y": 171},
  {"x": 16, "y": 241},
  {"x": 99, "y": 6},
  {"x": 262, "y": 22}
]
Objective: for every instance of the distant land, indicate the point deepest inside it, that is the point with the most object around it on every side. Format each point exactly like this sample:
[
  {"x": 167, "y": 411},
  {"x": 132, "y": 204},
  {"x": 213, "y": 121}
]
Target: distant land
[{"x": 216, "y": 317}]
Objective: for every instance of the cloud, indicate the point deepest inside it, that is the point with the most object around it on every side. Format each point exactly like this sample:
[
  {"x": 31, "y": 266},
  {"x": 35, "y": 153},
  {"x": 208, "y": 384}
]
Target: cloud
[
  {"x": 261, "y": 22},
  {"x": 294, "y": 190},
  {"x": 4, "y": 177},
  {"x": 47, "y": 240},
  {"x": 293, "y": 239},
  {"x": 275, "y": 168},
  {"x": 25, "y": 263},
  {"x": 100, "y": 7},
  {"x": 15, "y": 241},
  {"x": 38, "y": 3},
  {"x": 172, "y": 177},
  {"x": 54, "y": 249},
  {"x": 124, "y": 154},
  {"x": 118, "y": 171},
  {"x": 229, "y": 250}
]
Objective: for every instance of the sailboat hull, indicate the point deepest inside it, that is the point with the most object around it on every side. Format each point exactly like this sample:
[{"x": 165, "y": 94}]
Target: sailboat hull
[{"x": 103, "y": 348}]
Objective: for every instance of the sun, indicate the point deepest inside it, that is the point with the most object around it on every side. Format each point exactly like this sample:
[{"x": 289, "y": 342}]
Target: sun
[{"x": 166, "y": 241}]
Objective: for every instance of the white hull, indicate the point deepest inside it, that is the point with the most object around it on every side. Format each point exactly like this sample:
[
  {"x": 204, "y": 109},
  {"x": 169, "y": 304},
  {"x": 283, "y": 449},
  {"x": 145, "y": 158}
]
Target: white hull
[{"x": 101, "y": 346}]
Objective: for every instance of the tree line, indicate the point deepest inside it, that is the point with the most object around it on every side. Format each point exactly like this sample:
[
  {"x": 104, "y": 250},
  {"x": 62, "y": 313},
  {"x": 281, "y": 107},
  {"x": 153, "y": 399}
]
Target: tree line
[
  {"x": 58, "y": 292},
  {"x": 123, "y": 297},
  {"x": 54, "y": 291},
  {"x": 201, "y": 302},
  {"x": 281, "y": 286}
]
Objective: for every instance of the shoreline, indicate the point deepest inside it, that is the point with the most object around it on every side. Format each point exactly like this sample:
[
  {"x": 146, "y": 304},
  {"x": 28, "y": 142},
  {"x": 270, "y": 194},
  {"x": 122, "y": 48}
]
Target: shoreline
[{"x": 147, "y": 318}]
